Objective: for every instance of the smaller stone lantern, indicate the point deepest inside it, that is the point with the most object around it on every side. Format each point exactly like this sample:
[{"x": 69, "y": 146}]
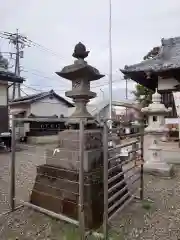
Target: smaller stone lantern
[{"x": 156, "y": 128}]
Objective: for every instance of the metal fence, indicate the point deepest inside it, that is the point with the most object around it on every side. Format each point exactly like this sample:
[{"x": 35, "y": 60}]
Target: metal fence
[
  {"x": 19, "y": 168},
  {"x": 120, "y": 174},
  {"x": 123, "y": 172},
  {"x": 5, "y": 160}
]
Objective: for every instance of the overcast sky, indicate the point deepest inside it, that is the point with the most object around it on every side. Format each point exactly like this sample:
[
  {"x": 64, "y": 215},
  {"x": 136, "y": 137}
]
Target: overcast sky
[{"x": 58, "y": 25}]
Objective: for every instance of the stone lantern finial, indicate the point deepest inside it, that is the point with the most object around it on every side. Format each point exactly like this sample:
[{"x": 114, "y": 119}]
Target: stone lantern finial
[
  {"x": 156, "y": 97},
  {"x": 80, "y": 51}
]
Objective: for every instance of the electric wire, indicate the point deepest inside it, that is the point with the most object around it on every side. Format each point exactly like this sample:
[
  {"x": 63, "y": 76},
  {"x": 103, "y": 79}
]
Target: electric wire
[{"x": 28, "y": 42}]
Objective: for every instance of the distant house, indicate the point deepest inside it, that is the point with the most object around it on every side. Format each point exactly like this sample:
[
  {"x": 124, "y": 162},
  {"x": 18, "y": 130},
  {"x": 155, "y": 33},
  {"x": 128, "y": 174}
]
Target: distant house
[
  {"x": 101, "y": 110},
  {"x": 130, "y": 115},
  {"x": 40, "y": 106},
  {"x": 98, "y": 111},
  {"x": 6, "y": 79}
]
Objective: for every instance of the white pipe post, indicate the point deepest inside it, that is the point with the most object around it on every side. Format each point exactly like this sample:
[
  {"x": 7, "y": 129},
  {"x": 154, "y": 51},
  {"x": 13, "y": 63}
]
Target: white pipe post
[
  {"x": 110, "y": 69},
  {"x": 110, "y": 64}
]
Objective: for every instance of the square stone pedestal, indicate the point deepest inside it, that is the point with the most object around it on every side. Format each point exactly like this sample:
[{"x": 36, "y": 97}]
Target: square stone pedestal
[
  {"x": 57, "y": 190},
  {"x": 161, "y": 169},
  {"x": 56, "y": 186}
]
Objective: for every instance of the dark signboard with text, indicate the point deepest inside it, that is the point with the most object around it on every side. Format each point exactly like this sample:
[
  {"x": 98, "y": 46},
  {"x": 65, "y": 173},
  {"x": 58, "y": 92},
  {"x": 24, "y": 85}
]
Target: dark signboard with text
[{"x": 45, "y": 128}]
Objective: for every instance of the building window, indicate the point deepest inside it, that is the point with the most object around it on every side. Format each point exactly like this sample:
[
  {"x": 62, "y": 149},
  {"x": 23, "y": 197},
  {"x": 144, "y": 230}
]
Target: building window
[{"x": 154, "y": 118}]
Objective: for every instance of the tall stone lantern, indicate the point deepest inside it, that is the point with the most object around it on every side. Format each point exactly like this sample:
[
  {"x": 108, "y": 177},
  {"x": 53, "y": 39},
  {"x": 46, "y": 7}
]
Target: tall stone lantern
[
  {"x": 156, "y": 129},
  {"x": 80, "y": 74},
  {"x": 58, "y": 178}
]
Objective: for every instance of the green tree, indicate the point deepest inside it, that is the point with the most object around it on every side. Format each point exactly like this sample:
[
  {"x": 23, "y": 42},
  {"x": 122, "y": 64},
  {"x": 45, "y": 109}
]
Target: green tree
[{"x": 143, "y": 95}]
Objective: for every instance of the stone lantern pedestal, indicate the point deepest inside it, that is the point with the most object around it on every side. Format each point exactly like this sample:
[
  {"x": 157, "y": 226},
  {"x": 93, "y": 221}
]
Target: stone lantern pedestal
[
  {"x": 156, "y": 129},
  {"x": 57, "y": 182}
]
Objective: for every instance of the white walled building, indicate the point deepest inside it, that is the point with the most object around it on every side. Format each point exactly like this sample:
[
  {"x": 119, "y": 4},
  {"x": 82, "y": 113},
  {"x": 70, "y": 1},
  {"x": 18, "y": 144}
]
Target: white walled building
[{"x": 43, "y": 105}]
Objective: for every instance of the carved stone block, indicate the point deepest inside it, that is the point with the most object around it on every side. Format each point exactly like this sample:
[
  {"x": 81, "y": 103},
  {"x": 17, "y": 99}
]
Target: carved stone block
[
  {"x": 57, "y": 190},
  {"x": 69, "y": 139},
  {"x": 68, "y": 159},
  {"x": 67, "y": 154}
]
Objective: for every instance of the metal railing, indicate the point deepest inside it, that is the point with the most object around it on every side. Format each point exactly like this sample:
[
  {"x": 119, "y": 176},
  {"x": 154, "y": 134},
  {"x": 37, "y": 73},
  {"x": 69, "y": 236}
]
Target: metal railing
[
  {"x": 23, "y": 173},
  {"x": 121, "y": 173}
]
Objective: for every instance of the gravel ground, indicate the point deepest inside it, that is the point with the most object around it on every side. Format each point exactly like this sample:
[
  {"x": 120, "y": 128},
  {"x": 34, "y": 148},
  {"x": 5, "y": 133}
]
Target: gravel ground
[
  {"x": 156, "y": 220},
  {"x": 26, "y": 161}
]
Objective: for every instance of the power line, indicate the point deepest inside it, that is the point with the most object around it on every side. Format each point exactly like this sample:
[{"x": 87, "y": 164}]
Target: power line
[
  {"x": 24, "y": 41},
  {"x": 43, "y": 48},
  {"x": 32, "y": 88},
  {"x": 41, "y": 91},
  {"x": 33, "y": 43},
  {"x": 41, "y": 76},
  {"x": 44, "y": 76},
  {"x": 34, "y": 70},
  {"x": 62, "y": 83},
  {"x": 24, "y": 92},
  {"x": 64, "y": 90},
  {"x": 30, "y": 42}
]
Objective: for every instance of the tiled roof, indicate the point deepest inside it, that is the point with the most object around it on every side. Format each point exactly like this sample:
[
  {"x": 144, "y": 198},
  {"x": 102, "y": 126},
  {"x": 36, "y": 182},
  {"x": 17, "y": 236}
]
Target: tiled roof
[
  {"x": 36, "y": 97},
  {"x": 168, "y": 58},
  {"x": 9, "y": 76}
]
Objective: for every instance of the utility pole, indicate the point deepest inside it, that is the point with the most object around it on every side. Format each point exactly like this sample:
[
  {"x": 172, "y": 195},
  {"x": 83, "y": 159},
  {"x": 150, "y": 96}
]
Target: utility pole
[
  {"x": 15, "y": 41},
  {"x": 19, "y": 42}
]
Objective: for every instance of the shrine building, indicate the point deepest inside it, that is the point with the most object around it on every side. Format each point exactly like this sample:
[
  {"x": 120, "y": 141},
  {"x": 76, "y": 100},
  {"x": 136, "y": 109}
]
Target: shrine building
[{"x": 161, "y": 72}]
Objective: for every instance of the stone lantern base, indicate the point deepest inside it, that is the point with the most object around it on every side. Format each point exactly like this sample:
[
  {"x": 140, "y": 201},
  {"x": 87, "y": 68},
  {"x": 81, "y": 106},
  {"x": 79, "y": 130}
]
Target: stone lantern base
[
  {"x": 155, "y": 164},
  {"x": 164, "y": 138},
  {"x": 57, "y": 190},
  {"x": 56, "y": 186},
  {"x": 158, "y": 169}
]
